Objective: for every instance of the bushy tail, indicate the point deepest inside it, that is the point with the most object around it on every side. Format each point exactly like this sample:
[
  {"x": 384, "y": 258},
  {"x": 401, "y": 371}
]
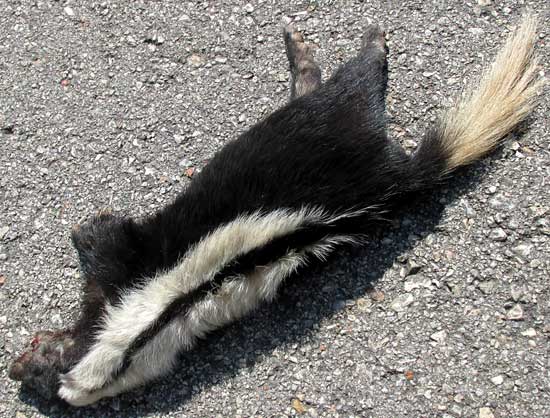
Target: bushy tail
[{"x": 487, "y": 113}]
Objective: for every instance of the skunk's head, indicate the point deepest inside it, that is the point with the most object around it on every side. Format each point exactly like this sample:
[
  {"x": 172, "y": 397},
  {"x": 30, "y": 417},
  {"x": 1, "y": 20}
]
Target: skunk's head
[
  {"x": 46, "y": 357},
  {"x": 106, "y": 248},
  {"x": 106, "y": 254}
]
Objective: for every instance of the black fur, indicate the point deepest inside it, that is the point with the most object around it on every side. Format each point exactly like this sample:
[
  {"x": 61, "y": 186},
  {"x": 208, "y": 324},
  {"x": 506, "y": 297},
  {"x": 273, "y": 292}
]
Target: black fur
[{"x": 327, "y": 149}]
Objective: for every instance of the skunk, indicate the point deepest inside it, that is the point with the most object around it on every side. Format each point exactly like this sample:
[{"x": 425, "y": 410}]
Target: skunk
[{"x": 316, "y": 174}]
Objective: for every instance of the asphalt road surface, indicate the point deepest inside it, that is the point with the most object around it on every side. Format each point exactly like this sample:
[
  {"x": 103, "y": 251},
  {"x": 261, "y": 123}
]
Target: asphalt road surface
[{"x": 446, "y": 313}]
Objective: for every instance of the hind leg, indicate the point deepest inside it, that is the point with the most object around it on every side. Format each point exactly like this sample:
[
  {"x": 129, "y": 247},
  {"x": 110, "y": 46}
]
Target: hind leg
[
  {"x": 360, "y": 84},
  {"x": 367, "y": 73},
  {"x": 305, "y": 74},
  {"x": 373, "y": 56}
]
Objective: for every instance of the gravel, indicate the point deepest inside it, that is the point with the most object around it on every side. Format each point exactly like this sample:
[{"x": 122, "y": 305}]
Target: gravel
[{"x": 112, "y": 103}]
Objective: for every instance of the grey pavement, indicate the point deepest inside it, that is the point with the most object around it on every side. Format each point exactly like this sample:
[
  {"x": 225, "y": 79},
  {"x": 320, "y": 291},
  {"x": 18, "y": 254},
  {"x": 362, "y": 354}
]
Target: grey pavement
[{"x": 446, "y": 313}]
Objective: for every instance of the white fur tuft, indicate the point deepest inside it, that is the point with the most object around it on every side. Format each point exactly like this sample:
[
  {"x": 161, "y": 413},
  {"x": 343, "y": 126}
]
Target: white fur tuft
[{"x": 504, "y": 97}]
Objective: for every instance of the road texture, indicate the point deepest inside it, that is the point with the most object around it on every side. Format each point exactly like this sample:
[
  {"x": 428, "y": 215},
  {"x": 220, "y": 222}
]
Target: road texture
[{"x": 115, "y": 103}]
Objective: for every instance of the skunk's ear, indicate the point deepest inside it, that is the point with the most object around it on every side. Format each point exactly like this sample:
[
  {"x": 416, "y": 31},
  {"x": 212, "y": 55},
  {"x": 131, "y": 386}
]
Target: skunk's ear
[{"x": 107, "y": 249}]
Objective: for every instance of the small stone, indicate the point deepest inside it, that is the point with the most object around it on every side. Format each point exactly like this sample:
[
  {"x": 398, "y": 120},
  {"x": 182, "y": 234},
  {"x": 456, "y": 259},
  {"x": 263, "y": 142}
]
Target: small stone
[
  {"x": 515, "y": 146},
  {"x": 185, "y": 163},
  {"x": 499, "y": 202},
  {"x": 486, "y": 413},
  {"x": 188, "y": 172},
  {"x": 2, "y": 280},
  {"x": 487, "y": 287},
  {"x": 3, "y": 257},
  {"x": 401, "y": 303},
  {"x": 417, "y": 281},
  {"x": 517, "y": 292},
  {"x": 20, "y": 415},
  {"x": 497, "y": 380},
  {"x": 363, "y": 304},
  {"x": 439, "y": 336},
  {"x": 498, "y": 234},
  {"x": 298, "y": 406},
  {"x": 470, "y": 212},
  {"x": 476, "y": 31},
  {"x": 68, "y": 11},
  {"x": 375, "y": 294},
  {"x": 154, "y": 38},
  {"x": 282, "y": 77},
  {"x": 410, "y": 268},
  {"x": 195, "y": 60},
  {"x": 515, "y": 314},
  {"x": 4, "y": 231},
  {"x": 523, "y": 250},
  {"x": 248, "y": 8},
  {"x": 529, "y": 332}
]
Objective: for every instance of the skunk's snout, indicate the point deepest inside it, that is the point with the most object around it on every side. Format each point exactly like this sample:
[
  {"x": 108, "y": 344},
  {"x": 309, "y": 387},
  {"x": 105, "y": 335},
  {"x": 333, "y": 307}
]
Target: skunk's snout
[{"x": 40, "y": 365}]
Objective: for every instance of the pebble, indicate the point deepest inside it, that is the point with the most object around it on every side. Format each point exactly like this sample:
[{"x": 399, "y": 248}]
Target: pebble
[
  {"x": 520, "y": 294},
  {"x": 3, "y": 257},
  {"x": 68, "y": 11},
  {"x": 487, "y": 287},
  {"x": 417, "y": 281},
  {"x": 499, "y": 202},
  {"x": 363, "y": 304},
  {"x": 486, "y": 413},
  {"x": 498, "y": 234},
  {"x": 248, "y": 8},
  {"x": 515, "y": 313},
  {"x": 401, "y": 303},
  {"x": 155, "y": 38},
  {"x": 470, "y": 212},
  {"x": 195, "y": 60},
  {"x": 439, "y": 336},
  {"x": 4, "y": 231},
  {"x": 529, "y": 332},
  {"x": 523, "y": 250},
  {"x": 376, "y": 295},
  {"x": 497, "y": 380},
  {"x": 410, "y": 268},
  {"x": 185, "y": 163}
]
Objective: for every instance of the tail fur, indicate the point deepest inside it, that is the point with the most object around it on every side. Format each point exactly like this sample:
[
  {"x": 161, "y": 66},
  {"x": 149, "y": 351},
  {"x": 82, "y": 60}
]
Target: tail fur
[{"x": 473, "y": 127}]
